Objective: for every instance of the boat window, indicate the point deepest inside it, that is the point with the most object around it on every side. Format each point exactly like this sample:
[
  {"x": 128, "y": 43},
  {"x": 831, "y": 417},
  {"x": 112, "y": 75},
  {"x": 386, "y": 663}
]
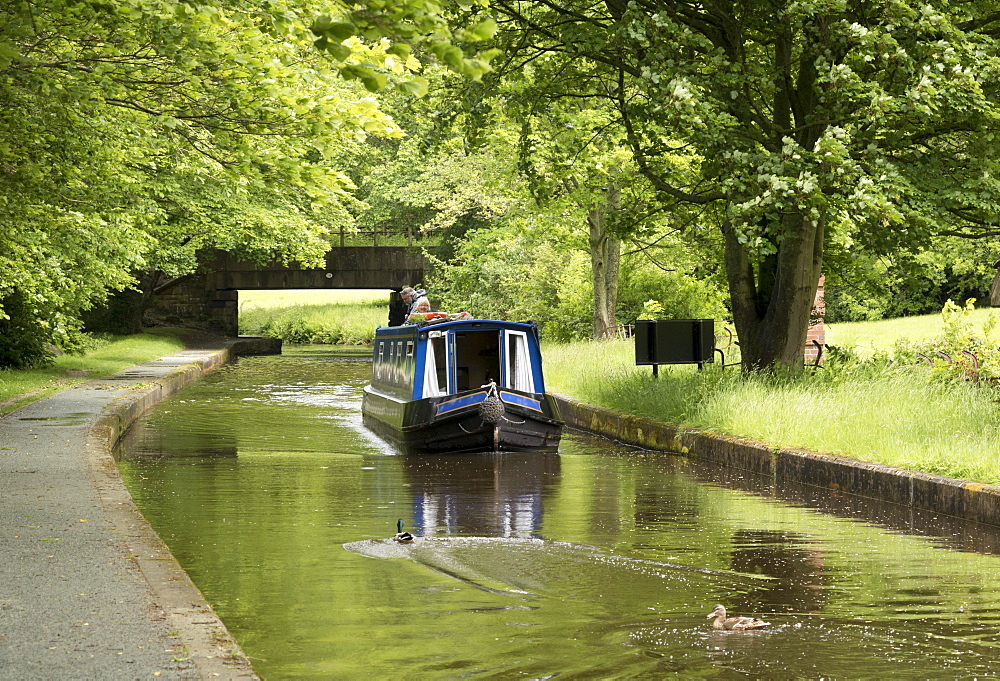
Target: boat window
[
  {"x": 477, "y": 358},
  {"x": 408, "y": 366},
  {"x": 397, "y": 363},
  {"x": 518, "y": 361}
]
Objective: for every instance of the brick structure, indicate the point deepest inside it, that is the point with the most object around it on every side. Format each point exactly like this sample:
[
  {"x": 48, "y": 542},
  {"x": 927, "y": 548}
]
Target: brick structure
[
  {"x": 211, "y": 298},
  {"x": 816, "y": 333}
]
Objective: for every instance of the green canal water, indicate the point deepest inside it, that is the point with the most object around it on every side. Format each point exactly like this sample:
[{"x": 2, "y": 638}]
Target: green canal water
[{"x": 599, "y": 561}]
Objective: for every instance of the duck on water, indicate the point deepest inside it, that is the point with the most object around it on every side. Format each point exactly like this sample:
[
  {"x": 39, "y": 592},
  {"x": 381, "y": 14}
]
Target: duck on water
[
  {"x": 401, "y": 536},
  {"x": 734, "y": 623},
  {"x": 455, "y": 384}
]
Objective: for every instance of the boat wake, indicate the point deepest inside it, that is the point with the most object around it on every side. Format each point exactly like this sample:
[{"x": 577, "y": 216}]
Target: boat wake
[{"x": 532, "y": 568}]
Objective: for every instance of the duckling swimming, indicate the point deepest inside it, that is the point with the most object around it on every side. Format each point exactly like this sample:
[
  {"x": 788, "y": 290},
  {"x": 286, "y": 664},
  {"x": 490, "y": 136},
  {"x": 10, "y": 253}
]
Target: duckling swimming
[
  {"x": 734, "y": 623},
  {"x": 402, "y": 537}
]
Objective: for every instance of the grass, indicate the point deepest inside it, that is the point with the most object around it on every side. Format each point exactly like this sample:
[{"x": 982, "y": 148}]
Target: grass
[
  {"x": 257, "y": 300},
  {"x": 869, "y": 337},
  {"x": 106, "y": 356},
  {"x": 298, "y": 316},
  {"x": 872, "y": 411},
  {"x": 315, "y": 316}
]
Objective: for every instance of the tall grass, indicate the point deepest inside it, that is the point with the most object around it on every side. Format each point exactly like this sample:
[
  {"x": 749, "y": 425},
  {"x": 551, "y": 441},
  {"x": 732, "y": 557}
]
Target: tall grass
[
  {"x": 310, "y": 317},
  {"x": 290, "y": 297},
  {"x": 874, "y": 411}
]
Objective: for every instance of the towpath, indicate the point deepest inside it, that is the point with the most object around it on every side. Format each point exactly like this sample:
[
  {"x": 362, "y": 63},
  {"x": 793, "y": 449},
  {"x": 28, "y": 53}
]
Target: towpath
[{"x": 87, "y": 589}]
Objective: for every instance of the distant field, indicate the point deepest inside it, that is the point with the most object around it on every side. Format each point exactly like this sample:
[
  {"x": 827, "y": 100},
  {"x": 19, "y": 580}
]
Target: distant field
[
  {"x": 311, "y": 316},
  {"x": 250, "y": 300},
  {"x": 868, "y": 337}
]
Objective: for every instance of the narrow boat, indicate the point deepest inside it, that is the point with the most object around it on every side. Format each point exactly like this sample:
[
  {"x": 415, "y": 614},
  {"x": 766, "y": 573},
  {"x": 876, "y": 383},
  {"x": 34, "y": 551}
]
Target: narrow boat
[{"x": 462, "y": 385}]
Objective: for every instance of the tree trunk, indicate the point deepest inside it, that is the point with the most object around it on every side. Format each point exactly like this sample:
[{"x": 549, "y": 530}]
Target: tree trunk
[
  {"x": 772, "y": 319},
  {"x": 605, "y": 258}
]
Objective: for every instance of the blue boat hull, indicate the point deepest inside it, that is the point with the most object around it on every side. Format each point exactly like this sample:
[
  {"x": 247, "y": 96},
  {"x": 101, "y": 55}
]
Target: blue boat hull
[{"x": 459, "y": 423}]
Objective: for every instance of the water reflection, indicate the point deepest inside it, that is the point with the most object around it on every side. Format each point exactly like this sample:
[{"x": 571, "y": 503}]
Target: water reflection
[
  {"x": 947, "y": 531},
  {"x": 793, "y": 558},
  {"x": 491, "y": 495}
]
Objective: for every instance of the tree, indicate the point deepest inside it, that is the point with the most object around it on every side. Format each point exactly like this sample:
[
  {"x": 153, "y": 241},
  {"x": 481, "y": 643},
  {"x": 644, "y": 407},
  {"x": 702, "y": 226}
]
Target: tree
[
  {"x": 570, "y": 153},
  {"x": 812, "y": 125},
  {"x": 867, "y": 287},
  {"x": 573, "y": 156},
  {"x": 136, "y": 132}
]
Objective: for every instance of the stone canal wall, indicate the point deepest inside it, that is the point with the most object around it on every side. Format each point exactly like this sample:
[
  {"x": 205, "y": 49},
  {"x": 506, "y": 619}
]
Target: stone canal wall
[{"x": 959, "y": 498}]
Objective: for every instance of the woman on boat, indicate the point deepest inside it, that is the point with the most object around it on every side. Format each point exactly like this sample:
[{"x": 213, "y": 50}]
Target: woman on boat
[{"x": 420, "y": 312}]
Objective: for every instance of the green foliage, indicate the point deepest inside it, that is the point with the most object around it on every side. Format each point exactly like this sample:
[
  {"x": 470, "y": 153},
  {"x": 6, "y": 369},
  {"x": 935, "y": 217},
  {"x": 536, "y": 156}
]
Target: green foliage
[
  {"x": 675, "y": 294},
  {"x": 514, "y": 272},
  {"x": 439, "y": 192},
  {"x": 868, "y": 287},
  {"x": 135, "y": 134},
  {"x": 22, "y": 339},
  {"x": 960, "y": 351},
  {"x": 651, "y": 309},
  {"x": 394, "y": 29},
  {"x": 808, "y": 128}
]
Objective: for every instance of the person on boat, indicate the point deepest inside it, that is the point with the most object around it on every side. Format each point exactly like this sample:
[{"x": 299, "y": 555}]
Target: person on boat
[
  {"x": 423, "y": 307},
  {"x": 411, "y": 297}
]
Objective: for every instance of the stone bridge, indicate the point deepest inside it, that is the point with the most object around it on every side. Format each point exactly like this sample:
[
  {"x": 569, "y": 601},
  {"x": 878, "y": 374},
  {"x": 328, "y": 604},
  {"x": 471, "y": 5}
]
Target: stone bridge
[{"x": 212, "y": 297}]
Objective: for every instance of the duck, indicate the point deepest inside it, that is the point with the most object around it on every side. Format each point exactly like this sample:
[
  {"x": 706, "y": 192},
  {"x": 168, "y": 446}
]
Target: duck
[
  {"x": 734, "y": 623},
  {"x": 402, "y": 537}
]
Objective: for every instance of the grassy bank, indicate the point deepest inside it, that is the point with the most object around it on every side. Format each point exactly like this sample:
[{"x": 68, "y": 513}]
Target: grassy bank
[
  {"x": 105, "y": 356},
  {"x": 297, "y": 316},
  {"x": 877, "y": 410}
]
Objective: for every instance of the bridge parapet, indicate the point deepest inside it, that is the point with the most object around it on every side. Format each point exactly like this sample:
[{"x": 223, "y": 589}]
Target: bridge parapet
[
  {"x": 212, "y": 298},
  {"x": 353, "y": 267}
]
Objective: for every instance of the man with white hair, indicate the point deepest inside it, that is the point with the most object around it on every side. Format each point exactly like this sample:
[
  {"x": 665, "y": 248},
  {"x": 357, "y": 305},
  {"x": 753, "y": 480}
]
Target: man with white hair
[{"x": 411, "y": 297}]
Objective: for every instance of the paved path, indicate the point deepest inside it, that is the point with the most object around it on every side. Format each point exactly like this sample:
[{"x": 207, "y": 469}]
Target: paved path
[{"x": 87, "y": 589}]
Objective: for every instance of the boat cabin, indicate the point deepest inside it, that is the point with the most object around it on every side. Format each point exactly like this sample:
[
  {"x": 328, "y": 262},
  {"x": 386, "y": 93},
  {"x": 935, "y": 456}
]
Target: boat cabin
[{"x": 416, "y": 362}]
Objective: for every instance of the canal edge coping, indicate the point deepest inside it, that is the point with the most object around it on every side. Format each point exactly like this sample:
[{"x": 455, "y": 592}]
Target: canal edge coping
[
  {"x": 964, "y": 499},
  {"x": 210, "y": 646}
]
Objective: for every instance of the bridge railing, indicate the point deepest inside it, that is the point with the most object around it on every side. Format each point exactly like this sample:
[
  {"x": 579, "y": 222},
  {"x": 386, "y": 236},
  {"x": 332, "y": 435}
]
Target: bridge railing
[{"x": 387, "y": 236}]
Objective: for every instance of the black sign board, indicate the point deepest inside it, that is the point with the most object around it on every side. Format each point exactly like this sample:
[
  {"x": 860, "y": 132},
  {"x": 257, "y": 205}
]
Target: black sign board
[{"x": 674, "y": 341}]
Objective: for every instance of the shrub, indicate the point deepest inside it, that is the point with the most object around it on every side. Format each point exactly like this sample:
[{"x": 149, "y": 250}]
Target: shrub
[
  {"x": 23, "y": 338},
  {"x": 960, "y": 351}
]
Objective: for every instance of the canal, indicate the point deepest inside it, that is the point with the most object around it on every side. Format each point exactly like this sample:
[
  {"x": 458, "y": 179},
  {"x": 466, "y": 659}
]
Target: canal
[{"x": 598, "y": 561}]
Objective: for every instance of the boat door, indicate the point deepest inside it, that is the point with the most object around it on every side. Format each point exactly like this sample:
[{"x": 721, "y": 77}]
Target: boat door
[
  {"x": 475, "y": 355},
  {"x": 467, "y": 359},
  {"x": 460, "y": 360}
]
